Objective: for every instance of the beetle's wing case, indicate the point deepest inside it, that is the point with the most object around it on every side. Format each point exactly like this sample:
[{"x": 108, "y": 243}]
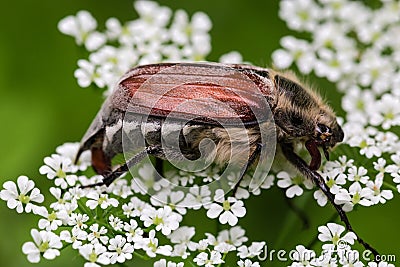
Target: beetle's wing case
[
  {"x": 216, "y": 92},
  {"x": 244, "y": 91}
]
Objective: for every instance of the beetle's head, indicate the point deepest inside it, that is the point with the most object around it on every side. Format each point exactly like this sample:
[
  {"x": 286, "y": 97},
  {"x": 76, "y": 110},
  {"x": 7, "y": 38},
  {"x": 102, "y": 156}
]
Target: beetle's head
[{"x": 327, "y": 134}]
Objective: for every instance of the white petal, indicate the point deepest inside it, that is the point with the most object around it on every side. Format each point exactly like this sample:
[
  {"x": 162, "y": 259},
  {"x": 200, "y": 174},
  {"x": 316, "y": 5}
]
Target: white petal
[
  {"x": 238, "y": 209},
  {"x": 214, "y": 211}
]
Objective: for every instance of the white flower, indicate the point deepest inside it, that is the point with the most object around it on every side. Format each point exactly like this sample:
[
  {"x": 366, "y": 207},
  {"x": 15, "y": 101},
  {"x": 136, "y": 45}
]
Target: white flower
[
  {"x": 21, "y": 197},
  {"x": 242, "y": 190},
  {"x": 183, "y": 32},
  {"x": 164, "y": 219},
  {"x": 79, "y": 220},
  {"x": 119, "y": 249},
  {"x": 334, "y": 65},
  {"x": 295, "y": 51},
  {"x": 204, "y": 259},
  {"x": 97, "y": 234},
  {"x": 387, "y": 112},
  {"x": 151, "y": 247},
  {"x": 133, "y": 232},
  {"x": 247, "y": 263},
  {"x": 76, "y": 236},
  {"x": 293, "y": 183},
  {"x": 52, "y": 220},
  {"x": 153, "y": 14},
  {"x": 102, "y": 200},
  {"x": 172, "y": 199},
  {"x": 88, "y": 73},
  {"x": 62, "y": 198},
  {"x": 145, "y": 181},
  {"x": 235, "y": 236},
  {"x": 300, "y": 15},
  {"x": 255, "y": 249},
  {"x": 199, "y": 49},
  {"x": 332, "y": 233},
  {"x": 59, "y": 167},
  {"x": 224, "y": 247},
  {"x": 379, "y": 196},
  {"x": 228, "y": 210},
  {"x": 183, "y": 235},
  {"x": 358, "y": 175},
  {"x": 180, "y": 250},
  {"x": 355, "y": 195},
  {"x": 82, "y": 27},
  {"x": 380, "y": 166},
  {"x": 334, "y": 179},
  {"x": 387, "y": 142},
  {"x": 120, "y": 188},
  {"x": 115, "y": 222},
  {"x": 45, "y": 243},
  {"x": 198, "y": 197},
  {"x": 359, "y": 104},
  {"x": 70, "y": 150},
  {"x": 94, "y": 253},
  {"x": 375, "y": 71},
  {"x": 135, "y": 207}
]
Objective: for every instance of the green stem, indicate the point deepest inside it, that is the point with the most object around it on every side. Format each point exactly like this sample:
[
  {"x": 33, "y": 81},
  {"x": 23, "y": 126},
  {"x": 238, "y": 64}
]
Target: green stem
[
  {"x": 191, "y": 263},
  {"x": 223, "y": 258},
  {"x": 386, "y": 184},
  {"x": 82, "y": 207},
  {"x": 143, "y": 257}
]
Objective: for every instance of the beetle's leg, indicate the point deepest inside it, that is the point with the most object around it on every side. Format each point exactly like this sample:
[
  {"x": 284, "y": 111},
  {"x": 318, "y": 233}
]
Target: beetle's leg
[
  {"x": 110, "y": 177},
  {"x": 243, "y": 171},
  {"x": 159, "y": 169},
  {"x": 100, "y": 162},
  {"x": 302, "y": 166}
]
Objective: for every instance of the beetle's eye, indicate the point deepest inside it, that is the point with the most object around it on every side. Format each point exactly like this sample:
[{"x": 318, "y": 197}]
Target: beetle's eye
[
  {"x": 323, "y": 132},
  {"x": 323, "y": 129}
]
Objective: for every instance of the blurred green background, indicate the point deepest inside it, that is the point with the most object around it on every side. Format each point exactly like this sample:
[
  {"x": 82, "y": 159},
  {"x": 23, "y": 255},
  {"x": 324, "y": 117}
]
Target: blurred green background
[{"x": 41, "y": 107}]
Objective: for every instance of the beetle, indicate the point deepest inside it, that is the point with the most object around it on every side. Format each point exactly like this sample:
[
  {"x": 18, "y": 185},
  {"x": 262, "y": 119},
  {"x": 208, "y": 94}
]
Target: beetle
[
  {"x": 300, "y": 115},
  {"x": 205, "y": 99}
]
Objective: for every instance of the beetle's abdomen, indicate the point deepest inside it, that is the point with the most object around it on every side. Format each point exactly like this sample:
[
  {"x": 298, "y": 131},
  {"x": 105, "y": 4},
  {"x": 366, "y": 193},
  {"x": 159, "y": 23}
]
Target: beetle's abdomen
[{"x": 180, "y": 140}]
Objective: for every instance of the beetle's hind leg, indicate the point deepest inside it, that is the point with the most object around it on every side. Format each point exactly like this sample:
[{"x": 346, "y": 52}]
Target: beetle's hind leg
[{"x": 111, "y": 176}]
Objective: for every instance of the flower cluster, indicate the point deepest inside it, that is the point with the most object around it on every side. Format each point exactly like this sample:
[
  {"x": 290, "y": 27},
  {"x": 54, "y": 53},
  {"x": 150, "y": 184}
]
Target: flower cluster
[
  {"x": 336, "y": 250},
  {"x": 112, "y": 225},
  {"x": 121, "y": 222},
  {"x": 156, "y": 35},
  {"x": 360, "y": 55}
]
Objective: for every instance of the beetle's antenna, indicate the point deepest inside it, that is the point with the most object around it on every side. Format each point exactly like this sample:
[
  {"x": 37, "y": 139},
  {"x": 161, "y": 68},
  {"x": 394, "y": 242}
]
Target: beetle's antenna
[{"x": 302, "y": 166}]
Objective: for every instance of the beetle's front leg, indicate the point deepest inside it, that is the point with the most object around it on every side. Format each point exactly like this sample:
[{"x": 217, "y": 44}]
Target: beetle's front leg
[
  {"x": 111, "y": 176},
  {"x": 302, "y": 167}
]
